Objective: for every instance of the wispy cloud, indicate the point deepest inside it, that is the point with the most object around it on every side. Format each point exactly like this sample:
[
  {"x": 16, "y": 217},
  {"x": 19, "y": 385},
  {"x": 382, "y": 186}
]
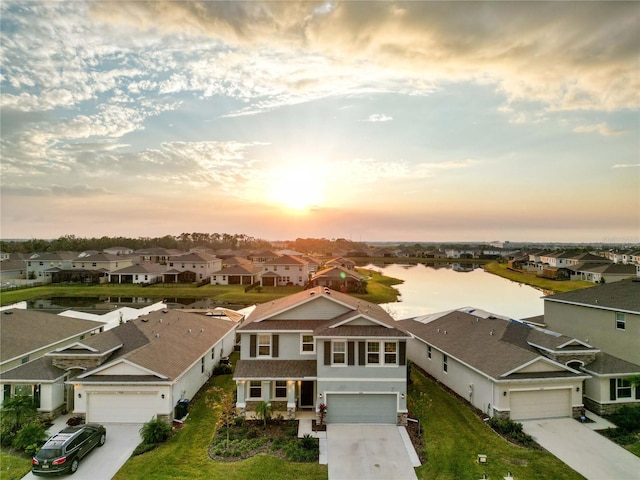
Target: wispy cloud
[
  {"x": 626, "y": 165},
  {"x": 379, "y": 117},
  {"x": 600, "y": 128}
]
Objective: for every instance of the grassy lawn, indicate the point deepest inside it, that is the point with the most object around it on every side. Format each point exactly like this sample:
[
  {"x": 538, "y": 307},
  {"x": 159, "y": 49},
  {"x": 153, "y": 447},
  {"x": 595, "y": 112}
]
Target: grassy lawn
[
  {"x": 530, "y": 278},
  {"x": 13, "y": 467},
  {"x": 455, "y": 435},
  {"x": 379, "y": 290}
]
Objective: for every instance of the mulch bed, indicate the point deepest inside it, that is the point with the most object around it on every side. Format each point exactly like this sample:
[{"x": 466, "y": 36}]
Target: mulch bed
[
  {"x": 318, "y": 428},
  {"x": 417, "y": 439}
]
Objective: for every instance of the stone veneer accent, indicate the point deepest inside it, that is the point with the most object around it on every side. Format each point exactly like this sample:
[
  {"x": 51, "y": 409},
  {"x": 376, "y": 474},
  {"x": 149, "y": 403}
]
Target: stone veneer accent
[
  {"x": 604, "y": 409},
  {"x": 402, "y": 419},
  {"x": 69, "y": 362}
]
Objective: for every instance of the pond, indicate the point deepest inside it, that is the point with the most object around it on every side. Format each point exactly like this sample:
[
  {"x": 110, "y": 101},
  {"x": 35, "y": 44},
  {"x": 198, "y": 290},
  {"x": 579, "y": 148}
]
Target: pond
[{"x": 428, "y": 289}]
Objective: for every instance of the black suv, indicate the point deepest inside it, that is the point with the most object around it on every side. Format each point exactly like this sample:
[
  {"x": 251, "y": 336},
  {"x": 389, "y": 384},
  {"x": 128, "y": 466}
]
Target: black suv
[{"x": 63, "y": 452}]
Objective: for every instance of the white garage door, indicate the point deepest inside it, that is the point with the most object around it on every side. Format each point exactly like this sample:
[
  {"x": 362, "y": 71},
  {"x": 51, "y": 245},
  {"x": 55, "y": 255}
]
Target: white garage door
[
  {"x": 365, "y": 408},
  {"x": 126, "y": 407},
  {"x": 540, "y": 404}
]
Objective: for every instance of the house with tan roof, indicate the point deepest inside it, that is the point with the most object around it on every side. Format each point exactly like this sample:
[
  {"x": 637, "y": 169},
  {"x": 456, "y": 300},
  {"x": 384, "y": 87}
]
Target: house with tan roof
[
  {"x": 318, "y": 347},
  {"x": 139, "y": 273},
  {"x": 26, "y": 337},
  {"x": 503, "y": 367},
  {"x": 339, "y": 278},
  {"x": 141, "y": 369},
  {"x": 40, "y": 266},
  {"x": 191, "y": 267}
]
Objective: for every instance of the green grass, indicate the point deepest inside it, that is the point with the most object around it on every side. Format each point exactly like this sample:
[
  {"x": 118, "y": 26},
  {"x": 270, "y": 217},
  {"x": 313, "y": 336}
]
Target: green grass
[
  {"x": 13, "y": 467},
  {"x": 530, "y": 278},
  {"x": 455, "y": 435},
  {"x": 379, "y": 289},
  {"x": 185, "y": 456}
]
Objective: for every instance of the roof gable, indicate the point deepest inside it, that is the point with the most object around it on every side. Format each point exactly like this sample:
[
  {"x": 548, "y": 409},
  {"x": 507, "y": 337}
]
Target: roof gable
[
  {"x": 122, "y": 366},
  {"x": 536, "y": 365}
]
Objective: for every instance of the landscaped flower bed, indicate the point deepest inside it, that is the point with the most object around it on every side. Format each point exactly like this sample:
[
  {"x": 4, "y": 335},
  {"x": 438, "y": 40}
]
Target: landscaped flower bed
[{"x": 247, "y": 438}]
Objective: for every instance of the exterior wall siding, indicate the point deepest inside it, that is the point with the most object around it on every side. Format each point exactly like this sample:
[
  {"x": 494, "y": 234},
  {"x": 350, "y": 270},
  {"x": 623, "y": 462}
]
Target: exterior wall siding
[{"x": 596, "y": 327}]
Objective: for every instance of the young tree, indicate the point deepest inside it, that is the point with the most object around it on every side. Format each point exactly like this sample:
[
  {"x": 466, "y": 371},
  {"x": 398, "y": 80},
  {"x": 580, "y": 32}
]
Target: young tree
[
  {"x": 227, "y": 414},
  {"x": 18, "y": 410},
  {"x": 263, "y": 411}
]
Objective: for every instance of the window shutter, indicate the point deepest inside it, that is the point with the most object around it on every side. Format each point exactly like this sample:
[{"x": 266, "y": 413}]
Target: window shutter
[
  {"x": 7, "y": 390},
  {"x": 403, "y": 353},
  {"x": 252, "y": 345},
  {"x": 362, "y": 346},
  {"x": 351, "y": 357},
  {"x": 612, "y": 389},
  {"x": 274, "y": 347},
  {"x": 637, "y": 391},
  {"x": 327, "y": 353}
]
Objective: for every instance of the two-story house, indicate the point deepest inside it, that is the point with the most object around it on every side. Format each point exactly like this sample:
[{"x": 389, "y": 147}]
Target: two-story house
[
  {"x": 318, "y": 347},
  {"x": 607, "y": 317},
  {"x": 41, "y": 266},
  {"x": 192, "y": 267},
  {"x": 285, "y": 270}
]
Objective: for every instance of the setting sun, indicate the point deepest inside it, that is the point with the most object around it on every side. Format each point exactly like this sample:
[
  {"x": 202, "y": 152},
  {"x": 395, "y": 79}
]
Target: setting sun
[{"x": 297, "y": 187}]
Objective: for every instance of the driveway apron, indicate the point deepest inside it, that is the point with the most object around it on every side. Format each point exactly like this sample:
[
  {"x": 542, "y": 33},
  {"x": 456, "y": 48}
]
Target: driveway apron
[
  {"x": 587, "y": 452},
  {"x": 367, "y": 452},
  {"x": 102, "y": 463}
]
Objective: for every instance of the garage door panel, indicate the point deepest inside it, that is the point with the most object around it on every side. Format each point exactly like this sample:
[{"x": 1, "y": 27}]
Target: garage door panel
[
  {"x": 120, "y": 408},
  {"x": 362, "y": 408},
  {"x": 540, "y": 404}
]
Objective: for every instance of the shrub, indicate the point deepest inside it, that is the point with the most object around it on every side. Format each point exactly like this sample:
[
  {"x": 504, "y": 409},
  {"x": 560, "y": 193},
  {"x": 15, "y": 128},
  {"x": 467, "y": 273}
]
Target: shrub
[
  {"x": 29, "y": 438},
  {"x": 263, "y": 411},
  {"x": 221, "y": 369},
  {"x": 143, "y": 448},
  {"x": 627, "y": 419},
  {"x": 73, "y": 421},
  {"x": 309, "y": 442},
  {"x": 155, "y": 431}
]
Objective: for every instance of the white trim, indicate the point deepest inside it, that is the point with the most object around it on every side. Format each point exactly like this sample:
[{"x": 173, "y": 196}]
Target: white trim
[
  {"x": 345, "y": 353},
  {"x": 302, "y": 302},
  {"x": 535, "y": 360},
  {"x": 117, "y": 362},
  {"x": 70, "y": 346},
  {"x": 360, "y": 379},
  {"x": 302, "y": 343},
  {"x": 596, "y": 306},
  {"x": 358, "y": 314}
]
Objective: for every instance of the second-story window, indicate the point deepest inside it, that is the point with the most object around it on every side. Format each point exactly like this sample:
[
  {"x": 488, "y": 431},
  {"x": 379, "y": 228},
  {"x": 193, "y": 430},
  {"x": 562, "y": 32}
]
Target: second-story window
[
  {"x": 621, "y": 322},
  {"x": 307, "y": 344},
  {"x": 373, "y": 353},
  {"x": 390, "y": 353},
  {"x": 445, "y": 363},
  {"x": 264, "y": 345},
  {"x": 339, "y": 356},
  {"x": 429, "y": 352}
]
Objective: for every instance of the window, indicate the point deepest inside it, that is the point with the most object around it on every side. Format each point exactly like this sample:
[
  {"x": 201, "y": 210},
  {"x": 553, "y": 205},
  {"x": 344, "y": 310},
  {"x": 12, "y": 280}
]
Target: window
[
  {"x": 287, "y": 267},
  {"x": 264, "y": 345},
  {"x": 623, "y": 388},
  {"x": 339, "y": 353},
  {"x": 307, "y": 344},
  {"x": 280, "y": 389},
  {"x": 255, "y": 389},
  {"x": 202, "y": 365},
  {"x": 373, "y": 353},
  {"x": 213, "y": 353},
  {"x": 390, "y": 353},
  {"x": 620, "y": 321},
  {"x": 429, "y": 352},
  {"x": 445, "y": 363},
  {"x": 23, "y": 390},
  {"x": 24, "y": 359}
]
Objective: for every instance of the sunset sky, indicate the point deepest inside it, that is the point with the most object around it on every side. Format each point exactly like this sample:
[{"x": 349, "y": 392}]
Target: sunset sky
[{"x": 416, "y": 121}]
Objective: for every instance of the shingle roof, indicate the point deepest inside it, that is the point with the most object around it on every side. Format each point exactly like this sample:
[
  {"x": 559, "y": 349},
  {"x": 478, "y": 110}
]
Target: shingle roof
[
  {"x": 194, "y": 257},
  {"x": 621, "y": 295},
  {"x": 362, "y": 331},
  {"x": 491, "y": 345},
  {"x": 39, "y": 370},
  {"x": 286, "y": 260},
  {"x": 23, "y": 331},
  {"x": 608, "y": 364},
  {"x": 142, "y": 268},
  {"x": 239, "y": 270},
  {"x": 285, "y": 369},
  {"x": 167, "y": 342}
]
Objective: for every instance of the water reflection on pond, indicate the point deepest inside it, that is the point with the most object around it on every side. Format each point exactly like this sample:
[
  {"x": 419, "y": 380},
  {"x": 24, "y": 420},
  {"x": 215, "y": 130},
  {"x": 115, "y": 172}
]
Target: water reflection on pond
[{"x": 428, "y": 289}]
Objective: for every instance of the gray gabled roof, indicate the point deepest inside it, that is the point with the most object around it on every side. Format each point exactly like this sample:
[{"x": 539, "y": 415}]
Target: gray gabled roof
[
  {"x": 606, "y": 364},
  {"x": 494, "y": 346},
  {"x": 39, "y": 370},
  {"x": 621, "y": 295},
  {"x": 24, "y": 331},
  {"x": 285, "y": 369}
]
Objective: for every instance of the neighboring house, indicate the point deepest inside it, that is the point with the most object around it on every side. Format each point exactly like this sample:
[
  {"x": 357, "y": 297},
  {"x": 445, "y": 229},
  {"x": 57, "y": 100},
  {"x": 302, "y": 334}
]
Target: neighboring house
[
  {"x": 589, "y": 258},
  {"x": 27, "y": 336},
  {"x": 557, "y": 259},
  {"x": 141, "y": 369},
  {"x": 457, "y": 253},
  {"x": 608, "y": 317},
  {"x": 285, "y": 270},
  {"x": 341, "y": 262},
  {"x": 12, "y": 270},
  {"x": 503, "y": 367},
  {"x": 40, "y": 266},
  {"x": 157, "y": 255},
  {"x": 192, "y": 267},
  {"x": 263, "y": 257},
  {"x": 237, "y": 275},
  {"x": 602, "y": 272},
  {"x": 141, "y": 273},
  {"x": 338, "y": 278},
  {"x": 104, "y": 262},
  {"x": 318, "y": 347}
]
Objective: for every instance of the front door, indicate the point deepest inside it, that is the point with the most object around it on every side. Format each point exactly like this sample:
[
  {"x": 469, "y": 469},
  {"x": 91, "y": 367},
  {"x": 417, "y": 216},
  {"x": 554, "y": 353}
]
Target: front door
[{"x": 306, "y": 394}]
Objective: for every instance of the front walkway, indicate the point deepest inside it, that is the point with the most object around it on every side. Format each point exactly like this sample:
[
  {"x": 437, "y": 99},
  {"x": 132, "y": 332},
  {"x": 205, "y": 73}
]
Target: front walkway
[{"x": 586, "y": 451}]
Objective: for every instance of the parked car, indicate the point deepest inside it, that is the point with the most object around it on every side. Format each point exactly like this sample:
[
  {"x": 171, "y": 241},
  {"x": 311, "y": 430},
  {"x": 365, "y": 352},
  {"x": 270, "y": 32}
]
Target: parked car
[{"x": 62, "y": 452}]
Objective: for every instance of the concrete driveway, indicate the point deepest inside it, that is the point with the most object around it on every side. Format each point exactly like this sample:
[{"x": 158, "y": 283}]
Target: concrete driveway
[
  {"x": 103, "y": 462},
  {"x": 367, "y": 452},
  {"x": 584, "y": 450}
]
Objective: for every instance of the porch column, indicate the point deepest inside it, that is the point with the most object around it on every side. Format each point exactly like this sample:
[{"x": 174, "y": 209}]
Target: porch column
[
  {"x": 291, "y": 399},
  {"x": 240, "y": 391},
  {"x": 266, "y": 391}
]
